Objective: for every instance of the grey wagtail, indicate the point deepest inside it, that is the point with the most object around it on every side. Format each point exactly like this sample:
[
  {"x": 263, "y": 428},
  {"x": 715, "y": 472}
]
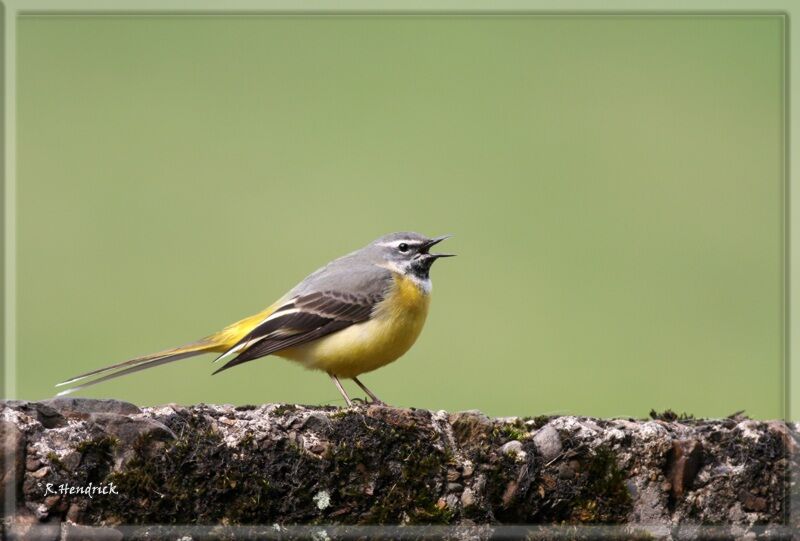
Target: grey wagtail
[{"x": 355, "y": 314}]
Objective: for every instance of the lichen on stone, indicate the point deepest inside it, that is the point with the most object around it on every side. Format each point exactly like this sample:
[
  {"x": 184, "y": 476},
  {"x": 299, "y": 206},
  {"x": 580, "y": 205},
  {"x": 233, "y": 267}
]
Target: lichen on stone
[{"x": 375, "y": 465}]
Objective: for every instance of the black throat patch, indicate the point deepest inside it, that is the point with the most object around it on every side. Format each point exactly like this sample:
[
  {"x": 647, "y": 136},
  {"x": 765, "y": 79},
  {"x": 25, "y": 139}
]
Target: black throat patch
[{"x": 421, "y": 268}]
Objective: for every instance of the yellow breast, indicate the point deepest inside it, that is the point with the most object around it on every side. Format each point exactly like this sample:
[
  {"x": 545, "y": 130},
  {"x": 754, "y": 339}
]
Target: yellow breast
[{"x": 394, "y": 327}]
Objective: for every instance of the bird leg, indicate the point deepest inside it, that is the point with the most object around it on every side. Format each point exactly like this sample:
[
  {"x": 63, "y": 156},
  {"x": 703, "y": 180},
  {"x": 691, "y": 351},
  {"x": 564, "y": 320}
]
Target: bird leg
[
  {"x": 375, "y": 399},
  {"x": 341, "y": 390}
]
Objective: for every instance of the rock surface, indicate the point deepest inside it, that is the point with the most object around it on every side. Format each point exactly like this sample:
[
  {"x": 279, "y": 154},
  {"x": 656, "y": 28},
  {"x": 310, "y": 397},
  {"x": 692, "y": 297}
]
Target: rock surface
[{"x": 105, "y": 469}]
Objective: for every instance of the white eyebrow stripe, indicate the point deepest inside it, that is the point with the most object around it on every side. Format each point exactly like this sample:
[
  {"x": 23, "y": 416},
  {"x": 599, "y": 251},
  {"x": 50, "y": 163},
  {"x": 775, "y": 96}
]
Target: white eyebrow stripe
[{"x": 411, "y": 242}]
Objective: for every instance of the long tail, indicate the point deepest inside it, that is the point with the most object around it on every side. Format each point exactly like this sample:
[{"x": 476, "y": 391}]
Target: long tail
[
  {"x": 204, "y": 345},
  {"x": 219, "y": 342}
]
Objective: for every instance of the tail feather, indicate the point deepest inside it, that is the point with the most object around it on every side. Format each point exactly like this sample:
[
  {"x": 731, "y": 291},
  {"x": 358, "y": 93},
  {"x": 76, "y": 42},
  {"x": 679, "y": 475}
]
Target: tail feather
[
  {"x": 219, "y": 342},
  {"x": 140, "y": 363}
]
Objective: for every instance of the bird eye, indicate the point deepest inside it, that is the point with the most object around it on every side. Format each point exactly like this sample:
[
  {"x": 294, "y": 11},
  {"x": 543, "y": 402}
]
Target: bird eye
[{"x": 403, "y": 247}]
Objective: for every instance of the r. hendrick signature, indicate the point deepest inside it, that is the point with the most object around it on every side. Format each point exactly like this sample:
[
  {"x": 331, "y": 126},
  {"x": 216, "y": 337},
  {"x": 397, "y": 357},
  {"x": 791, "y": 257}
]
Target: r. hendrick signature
[{"x": 89, "y": 490}]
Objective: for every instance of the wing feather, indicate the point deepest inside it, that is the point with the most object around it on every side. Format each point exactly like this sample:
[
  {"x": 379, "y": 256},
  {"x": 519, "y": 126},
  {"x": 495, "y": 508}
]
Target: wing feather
[{"x": 309, "y": 317}]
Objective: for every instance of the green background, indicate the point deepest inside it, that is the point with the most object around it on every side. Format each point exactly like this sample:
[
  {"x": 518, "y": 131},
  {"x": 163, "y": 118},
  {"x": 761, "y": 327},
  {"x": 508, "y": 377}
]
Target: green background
[{"x": 614, "y": 185}]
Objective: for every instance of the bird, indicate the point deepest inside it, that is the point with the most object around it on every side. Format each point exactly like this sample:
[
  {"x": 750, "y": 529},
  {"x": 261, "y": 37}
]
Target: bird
[{"x": 356, "y": 314}]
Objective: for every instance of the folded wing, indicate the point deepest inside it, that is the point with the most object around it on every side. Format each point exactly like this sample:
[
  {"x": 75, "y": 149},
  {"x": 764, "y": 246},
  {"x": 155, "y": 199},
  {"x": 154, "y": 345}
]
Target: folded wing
[{"x": 302, "y": 319}]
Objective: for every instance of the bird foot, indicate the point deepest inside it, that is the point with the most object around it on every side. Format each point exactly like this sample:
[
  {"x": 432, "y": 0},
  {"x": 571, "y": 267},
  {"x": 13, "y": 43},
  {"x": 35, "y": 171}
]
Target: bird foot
[{"x": 368, "y": 402}]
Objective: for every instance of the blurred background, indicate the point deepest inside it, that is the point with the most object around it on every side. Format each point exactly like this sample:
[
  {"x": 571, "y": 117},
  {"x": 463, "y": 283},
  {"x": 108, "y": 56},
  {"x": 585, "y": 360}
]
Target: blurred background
[{"x": 614, "y": 185}]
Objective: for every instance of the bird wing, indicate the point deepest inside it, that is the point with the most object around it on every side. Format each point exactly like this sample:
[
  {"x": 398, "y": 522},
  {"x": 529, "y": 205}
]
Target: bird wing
[{"x": 302, "y": 319}]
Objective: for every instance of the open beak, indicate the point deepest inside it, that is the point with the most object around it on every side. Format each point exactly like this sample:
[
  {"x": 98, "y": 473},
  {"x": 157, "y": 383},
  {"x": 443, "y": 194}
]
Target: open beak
[{"x": 432, "y": 242}]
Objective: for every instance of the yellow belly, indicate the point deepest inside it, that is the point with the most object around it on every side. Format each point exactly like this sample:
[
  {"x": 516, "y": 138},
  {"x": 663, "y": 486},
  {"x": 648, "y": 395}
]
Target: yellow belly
[{"x": 392, "y": 330}]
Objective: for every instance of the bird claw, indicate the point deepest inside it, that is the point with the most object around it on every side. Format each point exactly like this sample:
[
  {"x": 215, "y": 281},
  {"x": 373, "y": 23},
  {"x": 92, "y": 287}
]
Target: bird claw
[{"x": 367, "y": 402}]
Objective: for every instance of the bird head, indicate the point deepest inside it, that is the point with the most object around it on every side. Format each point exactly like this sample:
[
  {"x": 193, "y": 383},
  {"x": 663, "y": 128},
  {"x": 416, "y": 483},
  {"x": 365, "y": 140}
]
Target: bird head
[{"x": 408, "y": 253}]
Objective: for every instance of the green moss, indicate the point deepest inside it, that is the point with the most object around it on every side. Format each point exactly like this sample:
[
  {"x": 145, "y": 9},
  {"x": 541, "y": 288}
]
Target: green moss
[
  {"x": 283, "y": 409},
  {"x": 432, "y": 514},
  {"x": 96, "y": 459},
  {"x": 381, "y": 468},
  {"x": 386, "y": 470},
  {"x": 604, "y": 497},
  {"x": 54, "y": 459},
  {"x": 510, "y": 432},
  {"x": 103, "y": 445},
  {"x": 670, "y": 416},
  {"x": 340, "y": 414},
  {"x": 538, "y": 422},
  {"x": 245, "y": 407},
  {"x": 247, "y": 440},
  {"x": 509, "y": 508},
  {"x": 195, "y": 478}
]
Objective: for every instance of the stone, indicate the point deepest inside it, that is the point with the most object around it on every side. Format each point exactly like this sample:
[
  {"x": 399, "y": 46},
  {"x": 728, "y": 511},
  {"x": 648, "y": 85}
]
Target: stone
[
  {"x": 68, "y": 404},
  {"x": 20, "y": 525},
  {"x": 548, "y": 442},
  {"x": 751, "y": 502},
  {"x": 683, "y": 463},
  {"x": 316, "y": 422},
  {"x": 565, "y": 471},
  {"x": 511, "y": 448},
  {"x": 386, "y": 465},
  {"x": 75, "y": 512},
  {"x": 76, "y": 532},
  {"x": 129, "y": 429},
  {"x": 12, "y": 459},
  {"x": 789, "y": 438},
  {"x": 471, "y": 427},
  {"x": 467, "y": 498},
  {"x": 28, "y": 528},
  {"x": 41, "y": 412},
  {"x": 650, "y": 505},
  {"x": 40, "y": 473},
  {"x": 71, "y": 461},
  {"x": 510, "y": 493}
]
